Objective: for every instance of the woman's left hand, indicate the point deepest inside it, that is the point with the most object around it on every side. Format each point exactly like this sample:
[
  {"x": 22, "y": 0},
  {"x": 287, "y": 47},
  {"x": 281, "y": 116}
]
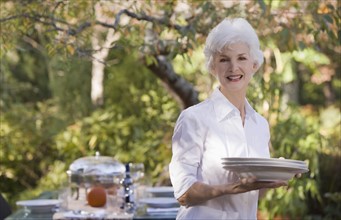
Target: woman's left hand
[{"x": 249, "y": 184}]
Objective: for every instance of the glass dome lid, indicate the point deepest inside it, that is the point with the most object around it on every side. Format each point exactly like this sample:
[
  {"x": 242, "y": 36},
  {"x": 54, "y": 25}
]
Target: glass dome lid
[{"x": 97, "y": 165}]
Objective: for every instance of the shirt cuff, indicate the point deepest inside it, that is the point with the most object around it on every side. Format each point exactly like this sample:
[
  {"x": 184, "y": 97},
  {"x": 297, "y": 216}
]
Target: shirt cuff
[{"x": 182, "y": 176}]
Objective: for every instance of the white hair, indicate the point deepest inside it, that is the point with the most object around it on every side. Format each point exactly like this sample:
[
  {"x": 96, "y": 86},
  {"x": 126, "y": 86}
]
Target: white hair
[{"x": 230, "y": 31}]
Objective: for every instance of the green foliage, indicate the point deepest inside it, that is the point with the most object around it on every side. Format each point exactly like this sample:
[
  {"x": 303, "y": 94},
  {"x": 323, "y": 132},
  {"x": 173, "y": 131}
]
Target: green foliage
[
  {"x": 295, "y": 137},
  {"x": 69, "y": 82},
  {"x": 26, "y": 138},
  {"x": 47, "y": 120},
  {"x": 25, "y": 82}
]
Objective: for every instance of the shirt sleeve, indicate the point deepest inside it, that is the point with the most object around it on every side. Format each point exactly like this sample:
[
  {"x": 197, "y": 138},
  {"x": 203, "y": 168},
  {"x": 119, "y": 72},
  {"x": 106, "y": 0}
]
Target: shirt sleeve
[{"x": 187, "y": 142}]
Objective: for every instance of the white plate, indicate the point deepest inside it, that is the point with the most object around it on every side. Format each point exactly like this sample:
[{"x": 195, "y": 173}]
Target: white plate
[
  {"x": 258, "y": 159},
  {"x": 160, "y": 202},
  {"x": 163, "y": 211},
  {"x": 271, "y": 164},
  {"x": 265, "y": 173},
  {"x": 161, "y": 191},
  {"x": 39, "y": 205},
  {"x": 254, "y": 167}
]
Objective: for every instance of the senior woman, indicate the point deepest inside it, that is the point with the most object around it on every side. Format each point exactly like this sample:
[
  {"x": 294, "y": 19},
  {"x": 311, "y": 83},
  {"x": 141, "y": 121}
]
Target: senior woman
[{"x": 224, "y": 125}]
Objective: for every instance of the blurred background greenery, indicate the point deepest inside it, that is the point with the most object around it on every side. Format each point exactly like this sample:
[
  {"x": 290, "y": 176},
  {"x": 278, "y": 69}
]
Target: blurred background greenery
[{"x": 112, "y": 76}]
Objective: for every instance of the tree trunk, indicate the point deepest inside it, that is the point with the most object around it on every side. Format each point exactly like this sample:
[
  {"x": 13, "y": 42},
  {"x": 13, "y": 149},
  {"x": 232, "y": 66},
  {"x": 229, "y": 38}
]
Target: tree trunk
[
  {"x": 180, "y": 89},
  {"x": 101, "y": 49}
]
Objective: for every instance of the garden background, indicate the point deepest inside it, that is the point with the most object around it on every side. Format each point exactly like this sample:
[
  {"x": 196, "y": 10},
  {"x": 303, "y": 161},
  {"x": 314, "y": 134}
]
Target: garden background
[{"x": 80, "y": 76}]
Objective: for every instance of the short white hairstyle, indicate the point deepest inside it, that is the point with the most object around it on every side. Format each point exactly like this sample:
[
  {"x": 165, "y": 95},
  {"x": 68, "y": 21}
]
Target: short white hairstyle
[{"x": 231, "y": 31}]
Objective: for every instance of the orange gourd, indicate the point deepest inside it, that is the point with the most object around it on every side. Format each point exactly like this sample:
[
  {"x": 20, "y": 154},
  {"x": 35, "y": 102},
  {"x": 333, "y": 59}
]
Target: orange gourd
[{"x": 97, "y": 196}]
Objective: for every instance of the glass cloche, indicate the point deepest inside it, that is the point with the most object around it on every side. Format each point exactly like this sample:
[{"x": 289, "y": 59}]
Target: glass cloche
[{"x": 86, "y": 172}]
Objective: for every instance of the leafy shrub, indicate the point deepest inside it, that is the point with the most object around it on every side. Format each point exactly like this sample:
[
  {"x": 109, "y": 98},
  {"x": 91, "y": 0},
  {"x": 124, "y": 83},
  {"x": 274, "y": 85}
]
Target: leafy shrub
[{"x": 298, "y": 136}]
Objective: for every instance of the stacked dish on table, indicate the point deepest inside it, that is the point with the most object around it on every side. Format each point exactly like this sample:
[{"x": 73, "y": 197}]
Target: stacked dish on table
[
  {"x": 265, "y": 169},
  {"x": 161, "y": 202},
  {"x": 39, "y": 205}
]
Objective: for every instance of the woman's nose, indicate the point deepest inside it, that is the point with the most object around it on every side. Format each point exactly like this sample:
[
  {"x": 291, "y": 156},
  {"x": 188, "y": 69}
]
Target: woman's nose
[{"x": 233, "y": 66}]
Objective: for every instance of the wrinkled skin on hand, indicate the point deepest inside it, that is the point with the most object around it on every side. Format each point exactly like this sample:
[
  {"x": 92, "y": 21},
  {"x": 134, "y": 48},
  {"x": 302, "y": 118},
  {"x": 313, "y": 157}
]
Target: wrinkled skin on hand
[
  {"x": 200, "y": 192},
  {"x": 249, "y": 184}
]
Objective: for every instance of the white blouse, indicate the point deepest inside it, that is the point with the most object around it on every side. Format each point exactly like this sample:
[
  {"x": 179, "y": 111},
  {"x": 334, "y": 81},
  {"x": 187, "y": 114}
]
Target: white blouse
[{"x": 205, "y": 133}]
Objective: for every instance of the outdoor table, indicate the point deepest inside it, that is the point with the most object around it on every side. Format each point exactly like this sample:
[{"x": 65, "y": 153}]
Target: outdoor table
[{"x": 22, "y": 214}]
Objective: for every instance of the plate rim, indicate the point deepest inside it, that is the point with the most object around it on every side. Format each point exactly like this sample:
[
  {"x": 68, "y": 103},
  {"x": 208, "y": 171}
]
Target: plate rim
[
  {"x": 149, "y": 200},
  {"x": 267, "y": 165},
  {"x": 42, "y": 202},
  {"x": 291, "y": 170},
  {"x": 263, "y": 159},
  {"x": 161, "y": 189}
]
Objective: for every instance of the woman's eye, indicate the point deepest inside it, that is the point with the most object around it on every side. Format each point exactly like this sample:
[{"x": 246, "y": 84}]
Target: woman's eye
[
  {"x": 224, "y": 60},
  {"x": 242, "y": 58}
]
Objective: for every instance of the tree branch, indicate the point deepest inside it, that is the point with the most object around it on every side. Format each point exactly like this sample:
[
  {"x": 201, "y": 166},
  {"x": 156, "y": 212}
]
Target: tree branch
[
  {"x": 52, "y": 21},
  {"x": 39, "y": 18},
  {"x": 145, "y": 17},
  {"x": 181, "y": 89}
]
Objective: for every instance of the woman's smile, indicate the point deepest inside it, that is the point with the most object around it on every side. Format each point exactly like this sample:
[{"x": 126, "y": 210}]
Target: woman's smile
[{"x": 235, "y": 78}]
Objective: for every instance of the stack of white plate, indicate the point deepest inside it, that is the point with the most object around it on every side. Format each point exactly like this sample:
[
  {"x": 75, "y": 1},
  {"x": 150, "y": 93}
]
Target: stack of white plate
[
  {"x": 39, "y": 205},
  {"x": 161, "y": 191},
  {"x": 162, "y": 201},
  {"x": 265, "y": 169}
]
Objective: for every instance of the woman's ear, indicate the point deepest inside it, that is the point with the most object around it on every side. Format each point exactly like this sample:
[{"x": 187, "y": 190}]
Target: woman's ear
[
  {"x": 212, "y": 70},
  {"x": 213, "y": 73},
  {"x": 255, "y": 66}
]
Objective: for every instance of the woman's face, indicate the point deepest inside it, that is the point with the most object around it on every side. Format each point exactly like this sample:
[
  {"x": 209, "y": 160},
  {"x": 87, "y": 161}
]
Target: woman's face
[{"x": 234, "y": 67}]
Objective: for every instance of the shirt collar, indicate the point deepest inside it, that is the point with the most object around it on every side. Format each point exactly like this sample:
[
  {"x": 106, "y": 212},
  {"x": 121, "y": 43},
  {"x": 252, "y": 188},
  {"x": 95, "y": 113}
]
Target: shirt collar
[
  {"x": 250, "y": 112},
  {"x": 223, "y": 107}
]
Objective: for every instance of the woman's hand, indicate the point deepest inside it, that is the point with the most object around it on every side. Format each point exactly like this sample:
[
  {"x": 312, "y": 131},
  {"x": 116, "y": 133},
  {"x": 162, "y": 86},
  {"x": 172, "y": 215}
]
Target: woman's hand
[
  {"x": 249, "y": 184},
  {"x": 200, "y": 192}
]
